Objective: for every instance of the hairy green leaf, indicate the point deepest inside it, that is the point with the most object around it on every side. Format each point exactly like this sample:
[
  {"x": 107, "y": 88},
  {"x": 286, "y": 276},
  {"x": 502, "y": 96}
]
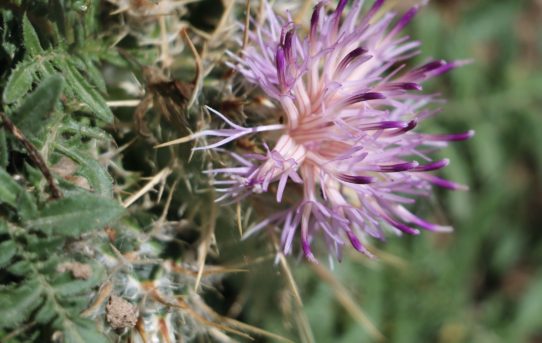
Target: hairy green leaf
[
  {"x": 95, "y": 75},
  {"x": 34, "y": 113},
  {"x": 7, "y": 251},
  {"x": 20, "y": 81},
  {"x": 16, "y": 196},
  {"x": 5, "y": 42},
  {"x": 85, "y": 92},
  {"x": 20, "y": 268},
  {"x": 46, "y": 312},
  {"x": 43, "y": 245},
  {"x": 75, "y": 127},
  {"x": 16, "y": 303},
  {"x": 31, "y": 39},
  {"x": 77, "y": 214},
  {"x": 97, "y": 176}
]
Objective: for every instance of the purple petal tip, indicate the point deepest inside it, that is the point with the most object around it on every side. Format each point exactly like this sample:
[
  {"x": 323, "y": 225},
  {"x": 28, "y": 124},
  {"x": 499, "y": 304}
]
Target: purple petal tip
[{"x": 356, "y": 179}]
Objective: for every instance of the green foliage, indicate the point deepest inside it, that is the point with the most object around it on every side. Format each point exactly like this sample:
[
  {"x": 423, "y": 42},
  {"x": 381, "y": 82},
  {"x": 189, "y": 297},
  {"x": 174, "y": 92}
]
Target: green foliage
[
  {"x": 42, "y": 293},
  {"x": 18, "y": 302},
  {"x": 76, "y": 214},
  {"x": 39, "y": 64},
  {"x": 56, "y": 106},
  {"x": 30, "y": 39},
  {"x": 20, "y": 81},
  {"x": 34, "y": 113},
  {"x": 13, "y": 194}
]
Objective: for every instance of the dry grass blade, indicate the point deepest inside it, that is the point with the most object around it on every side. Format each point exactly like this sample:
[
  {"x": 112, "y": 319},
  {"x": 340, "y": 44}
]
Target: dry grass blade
[
  {"x": 238, "y": 324},
  {"x": 140, "y": 327},
  {"x": 156, "y": 179},
  {"x": 344, "y": 297},
  {"x": 103, "y": 294},
  {"x": 157, "y": 226},
  {"x": 109, "y": 155},
  {"x": 301, "y": 319},
  {"x": 180, "y": 303},
  {"x": 123, "y": 103},
  {"x": 175, "y": 141},
  {"x": 219, "y": 336},
  {"x": 223, "y": 20},
  {"x": 198, "y": 78},
  {"x": 209, "y": 270},
  {"x": 247, "y": 24},
  {"x": 238, "y": 215},
  {"x": 290, "y": 278},
  {"x": 165, "y": 56},
  {"x": 183, "y": 305},
  {"x": 205, "y": 242}
]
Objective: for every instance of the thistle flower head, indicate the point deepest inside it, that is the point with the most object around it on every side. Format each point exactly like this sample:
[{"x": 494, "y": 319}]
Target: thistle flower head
[{"x": 351, "y": 108}]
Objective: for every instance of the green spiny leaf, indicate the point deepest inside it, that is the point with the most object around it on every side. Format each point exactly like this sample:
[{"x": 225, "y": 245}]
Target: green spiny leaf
[
  {"x": 77, "y": 214},
  {"x": 85, "y": 92},
  {"x": 31, "y": 39},
  {"x": 20, "y": 268},
  {"x": 7, "y": 251},
  {"x": 13, "y": 194},
  {"x": 20, "y": 81},
  {"x": 46, "y": 312},
  {"x": 34, "y": 112},
  {"x": 5, "y": 39},
  {"x": 16, "y": 303},
  {"x": 75, "y": 127},
  {"x": 44, "y": 245},
  {"x": 98, "y": 178},
  {"x": 95, "y": 75}
]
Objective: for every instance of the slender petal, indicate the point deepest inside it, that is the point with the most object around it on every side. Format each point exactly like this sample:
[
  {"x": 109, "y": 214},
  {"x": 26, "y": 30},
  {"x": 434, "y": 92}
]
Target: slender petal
[{"x": 348, "y": 160}]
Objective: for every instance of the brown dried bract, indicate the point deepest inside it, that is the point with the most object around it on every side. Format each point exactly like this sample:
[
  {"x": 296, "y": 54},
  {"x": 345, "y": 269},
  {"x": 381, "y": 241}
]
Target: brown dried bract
[
  {"x": 120, "y": 313},
  {"x": 78, "y": 270},
  {"x": 168, "y": 97}
]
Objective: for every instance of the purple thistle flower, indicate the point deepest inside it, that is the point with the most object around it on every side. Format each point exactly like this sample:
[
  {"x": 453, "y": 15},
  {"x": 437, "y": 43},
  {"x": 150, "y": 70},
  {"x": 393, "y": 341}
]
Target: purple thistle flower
[{"x": 351, "y": 109}]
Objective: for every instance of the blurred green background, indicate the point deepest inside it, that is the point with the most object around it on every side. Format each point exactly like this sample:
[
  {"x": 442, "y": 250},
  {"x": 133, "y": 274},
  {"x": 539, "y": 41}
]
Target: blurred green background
[{"x": 483, "y": 283}]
